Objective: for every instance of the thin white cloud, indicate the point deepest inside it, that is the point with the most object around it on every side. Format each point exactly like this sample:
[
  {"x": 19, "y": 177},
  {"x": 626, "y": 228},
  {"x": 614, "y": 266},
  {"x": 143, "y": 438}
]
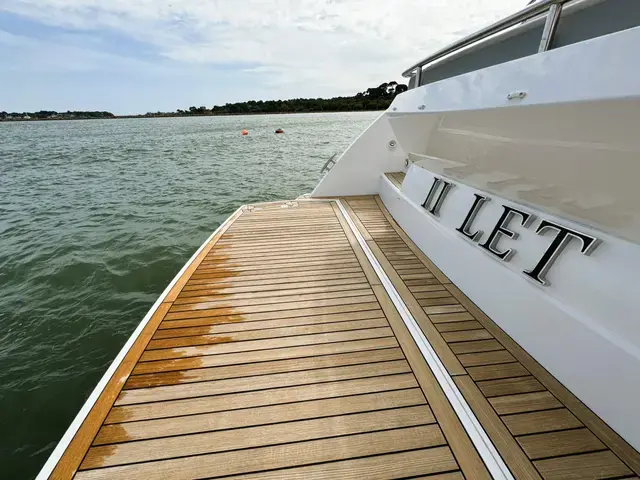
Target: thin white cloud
[{"x": 339, "y": 45}]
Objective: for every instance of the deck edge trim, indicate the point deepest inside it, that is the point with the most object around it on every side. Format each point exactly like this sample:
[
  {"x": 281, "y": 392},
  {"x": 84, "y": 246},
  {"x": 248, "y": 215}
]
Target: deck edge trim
[
  {"x": 59, "y": 450},
  {"x": 479, "y": 437}
]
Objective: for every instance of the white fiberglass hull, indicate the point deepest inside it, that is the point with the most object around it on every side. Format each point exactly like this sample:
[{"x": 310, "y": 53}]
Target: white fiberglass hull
[{"x": 552, "y": 136}]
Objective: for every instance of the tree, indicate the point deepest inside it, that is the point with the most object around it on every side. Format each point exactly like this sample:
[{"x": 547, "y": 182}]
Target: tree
[{"x": 375, "y": 98}]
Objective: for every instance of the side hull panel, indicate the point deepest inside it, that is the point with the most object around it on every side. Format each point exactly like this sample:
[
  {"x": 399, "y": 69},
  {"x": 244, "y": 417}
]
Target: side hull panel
[
  {"x": 359, "y": 167},
  {"x": 583, "y": 327}
]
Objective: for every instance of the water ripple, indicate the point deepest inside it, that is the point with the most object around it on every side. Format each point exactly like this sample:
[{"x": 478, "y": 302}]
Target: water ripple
[{"x": 96, "y": 218}]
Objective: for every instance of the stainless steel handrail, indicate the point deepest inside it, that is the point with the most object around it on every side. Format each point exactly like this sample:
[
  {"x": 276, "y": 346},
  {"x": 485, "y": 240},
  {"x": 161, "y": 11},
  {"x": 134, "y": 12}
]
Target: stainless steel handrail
[
  {"x": 326, "y": 165},
  {"x": 523, "y": 15}
]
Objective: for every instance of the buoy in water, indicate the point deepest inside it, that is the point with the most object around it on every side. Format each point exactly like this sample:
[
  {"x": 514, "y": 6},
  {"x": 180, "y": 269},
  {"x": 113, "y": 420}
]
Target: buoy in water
[
  {"x": 279, "y": 130},
  {"x": 245, "y": 132}
]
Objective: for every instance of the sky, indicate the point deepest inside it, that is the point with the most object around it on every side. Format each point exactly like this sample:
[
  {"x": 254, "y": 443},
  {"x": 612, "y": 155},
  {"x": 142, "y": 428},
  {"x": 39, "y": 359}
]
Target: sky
[{"x": 137, "y": 56}]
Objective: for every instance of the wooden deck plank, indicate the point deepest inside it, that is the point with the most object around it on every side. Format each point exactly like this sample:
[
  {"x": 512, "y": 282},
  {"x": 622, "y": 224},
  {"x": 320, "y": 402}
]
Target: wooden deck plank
[
  {"x": 283, "y": 267},
  {"x": 362, "y": 259},
  {"x": 169, "y": 332},
  {"x": 261, "y": 382},
  {"x": 252, "y": 345},
  {"x": 287, "y": 245},
  {"x": 524, "y": 402},
  {"x": 274, "y": 307},
  {"x": 591, "y": 466},
  {"x": 307, "y": 234},
  {"x": 251, "y": 437},
  {"x": 263, "y": 368},
  {"x": 442, "y": 278},
  {"x": 459, "y": 441},
  {"x": 310, "y": 238},
  {"x": 276, "y": 396},
  {"x": 475, "y": 346},
  {"x": 240, "y": 300},
  {"x": 260, "y": 286},
  {"x": 606, "y": 434},
  {"x": 493, "y": 372},
  {"x": 433, "y": 293},
  {"x": 245, "y": 275},
  {"x": 256, "y": 291},
  {"x": 264, "y": 355},
  {"x": 323, "y": 453},
  {"x": 212, "y": 339},
  {"x": 435, "y": 338},
  {"x": 458, "y": 326},
  {"x": 216, "y": 258},
  {"x": 510, "y": 386},
  {"x": 467, "y": 335},
  {"x": 314, "y": 311},
  {"x": 539, "y": 422},
  {"x": 513, "y": 455},
  {"x": 237, "y": 279},
  {"x": 275, "y": 260},
  {"x": 555, "y": 444},
  {"x": 270, "y": 414},
  {"x": 374, "y": 468},
  {"x": 278, "y": 261},
  {"x": 363, "y": 230},
  {"x": 393, "y": 178},
  {"x": 441, "y": 476},
  {"x": 485, "y": 358},
  {"x": 283, "y": 225},
  {"x": 445, "y": 317},
  {"x": 288, "y": 249}
]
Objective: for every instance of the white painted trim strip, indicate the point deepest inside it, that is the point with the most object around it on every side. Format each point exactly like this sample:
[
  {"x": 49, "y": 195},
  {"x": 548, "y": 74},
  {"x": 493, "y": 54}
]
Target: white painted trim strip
[
  {"x": 479, "y": 437},
  {"x": 66, "y": 439}
]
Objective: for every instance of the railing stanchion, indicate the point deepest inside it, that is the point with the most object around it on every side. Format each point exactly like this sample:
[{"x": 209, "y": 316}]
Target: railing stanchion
[
  {"x": 418, "y": 75},
  {"x": 550, "y": 27}
]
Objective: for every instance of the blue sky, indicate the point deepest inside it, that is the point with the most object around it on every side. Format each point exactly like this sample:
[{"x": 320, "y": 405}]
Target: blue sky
[{"x": 134, "y": 56}]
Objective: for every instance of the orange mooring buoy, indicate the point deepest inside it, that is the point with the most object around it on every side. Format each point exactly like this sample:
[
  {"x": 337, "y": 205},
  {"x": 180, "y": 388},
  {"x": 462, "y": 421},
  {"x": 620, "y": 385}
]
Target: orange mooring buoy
[{"x": 245, "y": 132}]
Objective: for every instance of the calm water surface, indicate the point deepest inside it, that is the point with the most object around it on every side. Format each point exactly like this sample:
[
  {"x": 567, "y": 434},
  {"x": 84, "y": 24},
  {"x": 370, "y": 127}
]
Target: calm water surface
[{"x": 96, "y": 217}]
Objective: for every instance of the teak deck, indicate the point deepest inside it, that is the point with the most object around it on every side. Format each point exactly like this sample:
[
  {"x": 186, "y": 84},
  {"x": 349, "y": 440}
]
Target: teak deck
[{"x": 278, "y": 353}]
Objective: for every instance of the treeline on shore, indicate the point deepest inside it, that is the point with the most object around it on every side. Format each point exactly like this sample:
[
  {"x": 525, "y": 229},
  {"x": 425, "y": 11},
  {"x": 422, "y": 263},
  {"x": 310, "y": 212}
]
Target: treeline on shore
[
  {"x": 376, "y": 98},
  {"x": 53, "y": 115}
]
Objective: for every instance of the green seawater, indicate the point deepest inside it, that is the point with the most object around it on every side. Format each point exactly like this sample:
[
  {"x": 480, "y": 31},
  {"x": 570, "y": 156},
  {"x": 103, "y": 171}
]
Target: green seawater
[{"x": 96, "y": 218}]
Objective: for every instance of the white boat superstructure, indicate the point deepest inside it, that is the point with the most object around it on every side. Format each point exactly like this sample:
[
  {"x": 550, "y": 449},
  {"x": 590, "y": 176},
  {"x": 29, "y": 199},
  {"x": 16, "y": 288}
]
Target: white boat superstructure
[
  {"x": 546, "y": 148},
  {"x": 456, "y": 299}
]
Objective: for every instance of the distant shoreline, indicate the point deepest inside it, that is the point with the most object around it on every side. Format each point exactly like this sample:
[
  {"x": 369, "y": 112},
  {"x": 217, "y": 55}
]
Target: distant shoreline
[
  {"x": 176, "y": 115},
  {"x": 373, "y": 99}
]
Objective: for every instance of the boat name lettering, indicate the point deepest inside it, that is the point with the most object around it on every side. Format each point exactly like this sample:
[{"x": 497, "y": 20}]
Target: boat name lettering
[
  {"x": 491, "y": 245},
  {"x": 438, "y": 192},
  {"x": 435, "y": 186},
  {"x": 468, "y": 220},
  {"x": 561, "y": 240}
]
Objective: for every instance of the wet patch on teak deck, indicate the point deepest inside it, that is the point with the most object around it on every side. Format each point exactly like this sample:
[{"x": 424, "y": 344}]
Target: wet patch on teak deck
[
  {"x": 274, "y": 353},
  {"x": 279, "y": 349}
]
